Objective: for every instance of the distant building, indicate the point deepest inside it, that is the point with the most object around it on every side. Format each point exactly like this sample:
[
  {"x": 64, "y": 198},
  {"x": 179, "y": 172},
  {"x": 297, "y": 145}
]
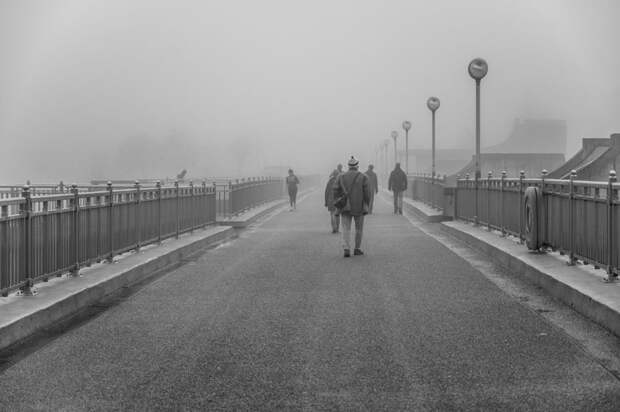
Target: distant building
[
  {"x": 593, "y": 161},
  {"x": 533, "y": 136},
  {"x": 533, "y": 145}
]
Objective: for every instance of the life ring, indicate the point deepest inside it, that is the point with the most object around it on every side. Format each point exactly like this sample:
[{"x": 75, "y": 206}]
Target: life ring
[{"x": 532, "y": 215}]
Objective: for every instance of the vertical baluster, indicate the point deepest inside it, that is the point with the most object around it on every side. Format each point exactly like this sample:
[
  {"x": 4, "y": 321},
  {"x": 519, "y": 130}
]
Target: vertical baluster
[
  {"x": 176, "y": 191},
  {"x": 611, "y": 270},
  {"x": 75, "y": 204},
  {"x": 204, "y": 210},
  {"x": 190, "y": 213},
  {"x": 138, "y": 215},
  {"x": 502, "y": 205},
  {"x": 110, "y": 222},
  {"x": 521, "y": 190},
  {"x": 544, "y": 208},
  {"x": 571, "y": 218},
  {"x": 158, "y": 186},
  {"x": 488, "y": 191},
  {"x": 27, "y": 288},
  {"x": 230, "y": 197}
]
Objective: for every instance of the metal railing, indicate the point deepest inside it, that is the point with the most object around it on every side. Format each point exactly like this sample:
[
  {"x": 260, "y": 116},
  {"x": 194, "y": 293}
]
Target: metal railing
[
  {"x": 51, "y": 234},
  {"x": 49, "y": 230},
  {"x": 426, "y": 189},
  {"x": 578, "y": 218},
  {"x": 235, "y": 198}
]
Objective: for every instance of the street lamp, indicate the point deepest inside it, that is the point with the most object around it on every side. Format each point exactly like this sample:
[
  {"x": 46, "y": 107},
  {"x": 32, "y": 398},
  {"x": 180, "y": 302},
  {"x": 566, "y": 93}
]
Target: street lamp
[
  {"x": 433, "y": 104},
  {"x": 394, "y": 135},
  {"x": 386, "y": 143},
  {"x": 477, "y": 69},
  {"x": 407, "y": 126}
]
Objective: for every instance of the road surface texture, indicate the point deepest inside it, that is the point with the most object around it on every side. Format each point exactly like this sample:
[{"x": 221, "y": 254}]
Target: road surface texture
[{"x": 278, "y": 320}]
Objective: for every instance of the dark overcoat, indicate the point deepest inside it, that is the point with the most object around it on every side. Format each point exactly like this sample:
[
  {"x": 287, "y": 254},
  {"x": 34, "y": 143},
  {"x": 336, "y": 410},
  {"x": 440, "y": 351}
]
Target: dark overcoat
[
  {"x": 329, "y": 193},
  {"x": 398, "y": 181},
  {"x": 372, "y": 181},
  {"x": 359, "y": 193}
]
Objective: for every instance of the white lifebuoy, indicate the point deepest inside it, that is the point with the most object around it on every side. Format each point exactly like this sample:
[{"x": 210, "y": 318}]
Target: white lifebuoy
[{"x": 532, "y": 213}]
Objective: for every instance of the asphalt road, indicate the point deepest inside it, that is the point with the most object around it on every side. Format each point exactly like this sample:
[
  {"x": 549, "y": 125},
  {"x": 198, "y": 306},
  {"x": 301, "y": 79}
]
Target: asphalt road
[{"x": 278, "y": 320}]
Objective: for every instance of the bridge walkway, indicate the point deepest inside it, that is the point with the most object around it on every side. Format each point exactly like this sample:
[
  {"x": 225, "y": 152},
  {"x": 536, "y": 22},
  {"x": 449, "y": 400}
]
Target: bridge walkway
[{"x": 278, "y": 319}]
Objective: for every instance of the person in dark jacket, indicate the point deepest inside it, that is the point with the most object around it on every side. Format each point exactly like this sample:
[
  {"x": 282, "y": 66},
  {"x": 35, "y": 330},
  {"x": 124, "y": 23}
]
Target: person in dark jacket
[
  {"x": 291, "y": 183},
  {"x": 373, "y": 186},
  {"x": 355, "y": 184},
  {"x": 329, "y": 201},
  {"x": 398, "y": 184}
]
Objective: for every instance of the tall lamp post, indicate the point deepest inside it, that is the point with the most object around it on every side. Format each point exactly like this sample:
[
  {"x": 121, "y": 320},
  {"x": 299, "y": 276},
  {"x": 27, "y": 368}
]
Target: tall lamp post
[
  {"x": 394, "y": 135},
  {"x": 477, "y": 69},
  {"x": 433, "y": 104},
  {"x": 386, "y": 143},
  {"x": 407, "y": 126}
]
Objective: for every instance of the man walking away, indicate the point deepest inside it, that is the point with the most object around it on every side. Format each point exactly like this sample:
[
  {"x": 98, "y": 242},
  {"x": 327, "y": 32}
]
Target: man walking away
[
  {"x": 373, "y": 186},
  {"x": 353, "y": 184},
  {"x": 398, "y": 185},
  {"x": 329, "y": 201}
]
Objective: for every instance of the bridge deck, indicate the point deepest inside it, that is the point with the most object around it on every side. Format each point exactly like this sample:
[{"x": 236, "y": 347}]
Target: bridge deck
[{"x": 278, "y": 319}]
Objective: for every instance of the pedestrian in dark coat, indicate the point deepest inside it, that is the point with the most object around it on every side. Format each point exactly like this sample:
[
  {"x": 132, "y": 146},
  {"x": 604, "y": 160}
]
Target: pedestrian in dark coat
[
  {"x": 355, "y": 184},
  {"x": 329, "y": 201},
  {"x": 373, "y": 186},
  {"x": 398, "y": 184},
  {"x": 291, "y": 183}
]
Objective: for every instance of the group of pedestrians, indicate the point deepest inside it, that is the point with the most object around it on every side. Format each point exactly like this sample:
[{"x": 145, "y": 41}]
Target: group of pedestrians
[{"x": 349, "y": 196}]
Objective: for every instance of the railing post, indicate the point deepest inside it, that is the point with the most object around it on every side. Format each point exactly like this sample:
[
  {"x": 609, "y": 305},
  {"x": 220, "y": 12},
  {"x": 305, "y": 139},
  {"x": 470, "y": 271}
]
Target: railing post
[
  {"x": 204, "y": 205},
  {"x": 521, "y": 177},
  {"x": 489, "y": 177},
  {"x": 158, "y": 186},
  {"x": 543, "y": 207},
  {"x": 27, "y": 288},
  {"x": 502, "y": 207},
  {"x": 176, "y": 190},
  {"x": 571, "y": 218},
  {"x": 76, "y": 229},
  {"x": 110, "y": 258},
  {"x": 192, "y": 214},
  {"x": 611, "y": 273},
  {"x": 230, "y": 197},
  {"x": 138, "y": 215}
]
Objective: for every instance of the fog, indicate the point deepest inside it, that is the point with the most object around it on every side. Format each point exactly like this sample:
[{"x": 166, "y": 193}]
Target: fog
[{"x": 145, "y": 88}]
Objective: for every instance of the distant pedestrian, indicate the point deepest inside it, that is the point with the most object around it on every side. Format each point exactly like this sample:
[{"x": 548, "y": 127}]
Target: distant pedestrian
[
  {"x": 339, "y": 168},
  {"x": 354, "y": 185},
  {"x": 329, "y": 201},
  {"x": 398, "y": 184},
  {"x": 291, "y": 182},
  {"x": 373, "y": 187}
]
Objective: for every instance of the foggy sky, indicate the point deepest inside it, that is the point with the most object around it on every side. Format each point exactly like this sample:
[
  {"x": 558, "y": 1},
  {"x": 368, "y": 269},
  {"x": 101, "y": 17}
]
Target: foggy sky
[{"x": 144, "y": 88}]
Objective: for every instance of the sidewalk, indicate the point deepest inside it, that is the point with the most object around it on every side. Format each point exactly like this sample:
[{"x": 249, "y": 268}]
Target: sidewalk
[
  {"x": 580, "y": 286},
  {"x": 21, "y": 316}
]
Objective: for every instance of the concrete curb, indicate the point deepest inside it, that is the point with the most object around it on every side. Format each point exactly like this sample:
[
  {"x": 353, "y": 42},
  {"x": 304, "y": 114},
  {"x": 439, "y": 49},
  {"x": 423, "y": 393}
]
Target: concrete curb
[
  {"x": 252, "y": 215},
  {"x": 41, "y": 311},
  {"x": 424, "y": 212},
  {"x": 420, "y": 210},
  {"x": 242, "y": 221},
  {"x": 571, "y": 285}
]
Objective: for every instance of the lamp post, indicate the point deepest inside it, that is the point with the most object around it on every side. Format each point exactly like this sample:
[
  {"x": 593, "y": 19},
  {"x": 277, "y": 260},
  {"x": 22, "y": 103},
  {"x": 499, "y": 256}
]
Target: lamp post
[
  {"x": 394, "y": 135},
  {"x": 433, "y": 104},
  {"x": 407, "y": 126},
  {"x": 477, "y": 69},
  {"x": 386, "y": 143}
]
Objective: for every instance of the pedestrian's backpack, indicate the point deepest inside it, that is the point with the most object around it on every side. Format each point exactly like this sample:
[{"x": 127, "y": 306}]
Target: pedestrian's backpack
[{"x": 341, "y": 201}]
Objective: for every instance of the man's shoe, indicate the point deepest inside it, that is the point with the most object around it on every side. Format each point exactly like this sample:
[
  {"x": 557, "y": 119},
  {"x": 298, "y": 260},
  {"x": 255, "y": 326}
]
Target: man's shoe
[
  {"x": 358, "y": 252},
  {"x": 347, "y": 253}
]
